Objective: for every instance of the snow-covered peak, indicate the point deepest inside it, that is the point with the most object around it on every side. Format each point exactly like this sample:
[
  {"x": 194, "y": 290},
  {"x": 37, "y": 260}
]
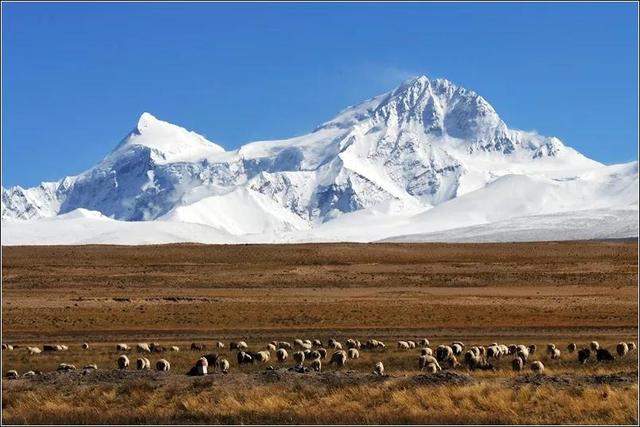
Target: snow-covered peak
[{"x": 169, "y": 143}]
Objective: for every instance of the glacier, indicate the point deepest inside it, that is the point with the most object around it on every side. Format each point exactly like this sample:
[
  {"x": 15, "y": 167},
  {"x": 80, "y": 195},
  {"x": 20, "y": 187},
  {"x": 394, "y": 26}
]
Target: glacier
[{"x": 428, "y": 160}]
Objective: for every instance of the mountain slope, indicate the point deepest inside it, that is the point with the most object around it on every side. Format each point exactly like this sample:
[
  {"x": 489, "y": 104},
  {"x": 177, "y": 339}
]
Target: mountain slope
[{"x": 425, "y": 145}]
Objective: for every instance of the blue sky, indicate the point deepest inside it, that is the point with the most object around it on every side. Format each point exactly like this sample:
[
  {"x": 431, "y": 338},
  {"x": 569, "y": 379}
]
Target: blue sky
[{"x": 77, "y": 76}]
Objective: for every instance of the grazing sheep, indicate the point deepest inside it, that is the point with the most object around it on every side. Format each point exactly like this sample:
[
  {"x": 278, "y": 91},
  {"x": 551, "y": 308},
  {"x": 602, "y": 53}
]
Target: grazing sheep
[
  {"x": 512, "y": 348},
  {"x": 122, "y": 347},
  {"x": 403, "y": 345},
  {"x": 631, "y": 345},
  {"x": 523, "y": 354},
  {"x": 426, "y": 352},
  {"x": 351, "y": 343},
  {"x": 85, "y": 346},
  {"x": 317, "y": 343},
  {"x": 262, "y": 356},
  {"x": 532, "y": 349},
  {"x": 537, "y": 367},
  {"x": 412, "y": 344},
  {"x": 198, "y": 346},
  {"x": 316, "y": 365},
  {"x": 244, "y": 358},
  {"x": 64, "y": 347},
  {"x": 424, "y": 342},
  {"x": 322, "y": 352},
  {"x": 174, "y": 348},
  {"x": 298, "y": 357},
  {"x": 201, "y": 366},
  {"x": 271, "y": 347},
  {"x": 224, "y": 366},
  {"x": 460, "y": 343},
  {"x": 444, "y": 353},
  {"x": 453, "y": 362},
  {"x": 380, "y": 345},
  {"x": 212, "y": 359},
  {"x": 551, "y": 348},
  {"x": 163, "y": 365},
  {"x": 494, "y": 351},
  {"x": 555, "y": 354},
  {"x": 285, "y": 345},
  {"x": 457, "y": 349},
  {"x": 281, "y": 355},
  {"x": 143, "y": 363},
  {"x": 594, "y": 345},
  {"x": 34, "y": 350},
  {"x": 583, "y": 355},
  {"x": 476, "y": 361},
  {"x": 297, "y": 343},
  {"x": 335, "y": 344},
  {"x": 13, "y": 374},
  {"x": 64, "y": 367},
  {"x": 143, "y": 347},
  {"x": 306, "y": 353},
  {"x": 306, "y": 345},
  {"x": 431, "y": 368},
  {"x": 91, "y": 367},
  {"x": 339, "y": 358},
  {"x": 219, "y": 344},
  {"x": 517, "y": 364},
  {"x": 572, "y": 347},
  {"x": 475, "y": 350},
  {"x": 123, "y": 362},
  {"x": 378, "y": 369},
  {"x": 29, "y": 374},
  {"x": 622, "y": 349},
  {"x": 603, "y": 355},
  {"x": 353, "y": 353},
  {"x": 425, "y": 361}
]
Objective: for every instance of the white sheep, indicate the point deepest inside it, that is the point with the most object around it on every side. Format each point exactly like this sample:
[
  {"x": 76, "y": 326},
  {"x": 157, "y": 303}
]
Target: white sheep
[
  {"x": 163, "y": 365},
  {"x": 594, "y": 345},
  {"x": 378, "y": 369},
  {"x": 122, "y": 347},
  {"x": 316, "y": 365},
  {"x": 622, "y": 349},
  {"x": 403, "y": 345},
  {"x": 537, "y": 367},
  {"x": 339, "y": 358},
  {"x": 298, "y": 357},
  {"x": 143, "y": 347},
  {"x": 13, "y": 374},
  {"x": 224, "y": 366},
  {"x": 34, "y": 350},
  {"x": 353, "y": 353},
  {"x": 281, "y": 355},
  {"x": 143, "y": 364}
]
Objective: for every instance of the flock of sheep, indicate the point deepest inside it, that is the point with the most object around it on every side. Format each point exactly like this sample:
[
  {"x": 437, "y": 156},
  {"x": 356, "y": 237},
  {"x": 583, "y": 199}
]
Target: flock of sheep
[{"x": 312, "y": 353}]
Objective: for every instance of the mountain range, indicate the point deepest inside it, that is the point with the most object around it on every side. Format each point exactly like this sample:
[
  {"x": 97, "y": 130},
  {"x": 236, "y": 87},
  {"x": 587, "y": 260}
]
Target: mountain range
[{"x": 428, "y": 161}]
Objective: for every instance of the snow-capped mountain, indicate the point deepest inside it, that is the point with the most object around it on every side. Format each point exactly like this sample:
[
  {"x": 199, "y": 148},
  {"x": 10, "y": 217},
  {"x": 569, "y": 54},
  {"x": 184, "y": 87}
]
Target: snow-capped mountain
[{"x": 428, "y": 146}]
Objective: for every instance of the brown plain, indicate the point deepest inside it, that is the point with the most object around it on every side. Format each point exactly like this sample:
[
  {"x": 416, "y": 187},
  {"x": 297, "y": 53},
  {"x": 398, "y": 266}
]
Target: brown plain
[{"x": 176, "y": 294}]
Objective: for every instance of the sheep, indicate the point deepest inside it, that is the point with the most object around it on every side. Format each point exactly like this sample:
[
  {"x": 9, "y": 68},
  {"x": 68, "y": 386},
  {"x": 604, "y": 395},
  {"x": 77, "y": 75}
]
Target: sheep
[
  {"x": 431, "y": 368},
  {"x": 298, "y": 357},
  {"x": 494, "y": 351},
  {"x": 123, "y": 362},
  {"x": 163, "y": 365},
  {"x": 262, "y": 356},
  {"x": 517, "y": 364},
  {"x": 142, "y": 347},
  {"x": 174, "y": 348},
  {"x": 64, "y": 367},
  {"x": 306, "y": 345},
  {"x": 631, "y": 345},
  {"x": 322, "y": 352},
  {"x": 122, "y": 347},
  {"x": 201, "y": 366},
  {"x": 412, "y": 344},
  {"x": 224, "y": 366},
  {"x": 622, "y": 349},
  {"x": 583, "y": 355},
  {"x": 512, "y": 348},
  {"x": 156, "y": 348},
  {"x": 307, "y": 342},
  {"x": 335, "y": 344},
  {"x": 244, "y": 358},
  {"x": 34, "y": 350},
  {"x": 523, "y": 354},
  {"x": 475, "y": 350},
  {"x": 90, "y": 367},
  {"x": 555, "y": 354},
  {"x": 271, "y": 347},
  {"x": 425, "y": 361},
  {"x": 532, "y": 349},
  {"x": 143, "y": 363},
  {"x": 603, "y": 355},
  {"x": 285, "y": 345},
  {"x": 212, "y": 359},
  {"x": 85, "y": 346},
  {"x": 443, "y": 353},
  {"x": 29, "y": 374},
  {"x": 457, "y": 349},
  {"x": 378, "y": 369},
  {"x": 426, "y": 352},
  {"x": 198, "y": 346},
  {"x": 403, "y": 345},
  {"x": 453, "y": 362},
  {"x": 460, "y": 343},
  {"x": 12, "y": 374},
  {"x": 339, "y": 358},
  {"x": 297, "y": 343},
  {"x": 317, "y": 343},
  {"x": 594, "y": 345},
  {"x": 316, "y": 365},
  {"x": 476, "y": 361},
  {"x": 63, "y": 347},
  {"x": 353, "y": 353},
  {"x": 572, "y": 347},
  {"x": 219, "y": 344},
  {"x": 537, "y": 367},
  {"x": 281, "y": 354},
  {"x": 424, "y": 342},
  {"x": 351, "y": 343}
]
